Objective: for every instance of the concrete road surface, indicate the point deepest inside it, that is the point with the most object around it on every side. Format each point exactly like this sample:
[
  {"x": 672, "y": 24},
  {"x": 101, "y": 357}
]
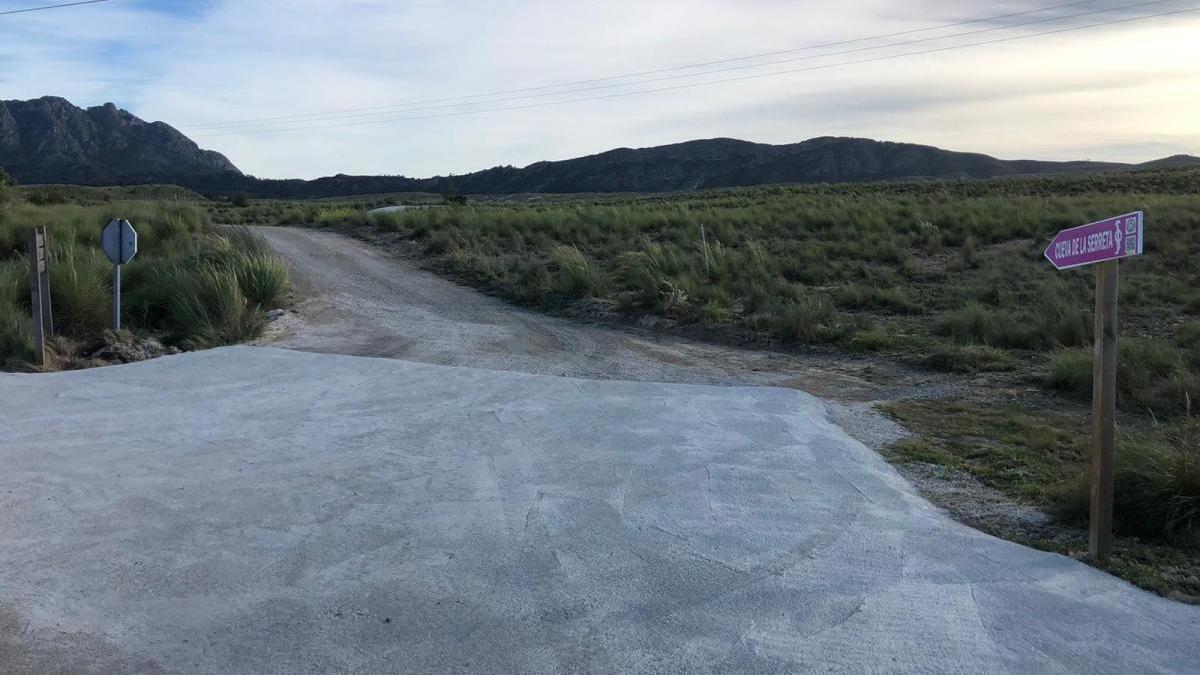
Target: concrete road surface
[{"x": 256, "y": 510}]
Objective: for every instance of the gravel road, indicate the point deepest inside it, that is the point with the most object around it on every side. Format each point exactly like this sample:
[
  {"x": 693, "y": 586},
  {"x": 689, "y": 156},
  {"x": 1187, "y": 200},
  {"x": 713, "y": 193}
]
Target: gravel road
[{"x": 356, "y": 298}]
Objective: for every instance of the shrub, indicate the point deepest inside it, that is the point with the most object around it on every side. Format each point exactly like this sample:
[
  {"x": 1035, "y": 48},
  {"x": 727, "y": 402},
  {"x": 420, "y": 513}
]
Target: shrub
[
  {"x": 1188, "y": 338},
  {"x": 207, "y": 306},
  {"x": 808, "y": 319},
  {"x": 81, "y": 292},
  {"x": 1071, "y": 372},
  {"x": 974, "y": 323},
  {"x": 15, "y": 322},
  {"x": 1156, "y": 485},
  {"x": 1044, "y": 325},
  {"x": 858, "y": 296},
  {"x": 244, "y": 240},
  {"x": 1151, "y": 376},
  {"x": 577, "y": 275},
  {"x": 644, "y": 274},
  {"x": 262, "y": 277}
]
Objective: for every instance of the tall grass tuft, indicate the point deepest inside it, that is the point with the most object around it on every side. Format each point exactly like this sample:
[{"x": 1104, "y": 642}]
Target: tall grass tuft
[
  {"x": 1152, "y": 376},
  {"x": 80, "y": 292},
  {"x": 262, "y": 277},
  {"x": 15, "y": 321},
  {"x": 809, "y": 319},
  {"x": 578, "y": 275},
  {"x": 1156, "y": 485},
  {"x": 207, "y": 307}
]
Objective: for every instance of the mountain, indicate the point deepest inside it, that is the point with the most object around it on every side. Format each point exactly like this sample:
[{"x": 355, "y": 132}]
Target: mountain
[
  {"x": 1172, "y": 162},
  {"x": 49, "y": 140},
  {"x": 726, "y": 162},
  {"x": 695, "y": 165}
]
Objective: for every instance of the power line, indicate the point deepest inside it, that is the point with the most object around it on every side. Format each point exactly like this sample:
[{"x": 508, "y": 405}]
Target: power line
[
  {"x": 45, "y": 7},
  {"x": 253, "y": 126},
  {"x": 690, "y": 66},
  {"x": 1010, "y": 38}
]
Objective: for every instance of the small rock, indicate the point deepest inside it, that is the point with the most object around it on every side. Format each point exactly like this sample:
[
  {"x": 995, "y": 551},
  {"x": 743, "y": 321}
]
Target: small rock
[
  {"x": 126, "y": 347},
  {"x": 275, "y": 314}
]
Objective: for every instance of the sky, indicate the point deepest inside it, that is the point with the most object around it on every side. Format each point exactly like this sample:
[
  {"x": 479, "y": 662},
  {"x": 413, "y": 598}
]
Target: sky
[{"x": 305, "y": 88}]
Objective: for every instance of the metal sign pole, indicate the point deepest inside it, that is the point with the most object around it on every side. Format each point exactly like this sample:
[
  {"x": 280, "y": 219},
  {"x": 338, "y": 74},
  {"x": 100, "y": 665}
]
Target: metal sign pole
[
  {"x": 119, "y": 240},
  {"x": 1104, "y": 412},
  {"x": 117, "y": 297}
]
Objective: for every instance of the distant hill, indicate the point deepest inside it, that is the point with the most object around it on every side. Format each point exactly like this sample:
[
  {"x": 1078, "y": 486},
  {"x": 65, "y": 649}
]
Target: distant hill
[
  {"x": 695, "y": 165},
  {"x": 48, "y": 140}
]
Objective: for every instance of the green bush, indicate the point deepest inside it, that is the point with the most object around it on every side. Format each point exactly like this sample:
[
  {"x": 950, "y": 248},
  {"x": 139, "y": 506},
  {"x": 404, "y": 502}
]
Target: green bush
[
  {"x": 1071, "y": 372},
  {"x": 1156, "y": 485},
  {"x": 1151, "y": 376},
  {"x": 81, "y": 292},
  {"x": 1042, "y": 326},
  {"x": 1187, "y": 337},
  {"x": 262, "y": 277},
  {"x": 858, "y": 296},
  {"x": 578, "y": 275},
  {"x": 207, "y": 307},
  {"x": 809, "y": 319},
  {"x": 15, "y": 322}
]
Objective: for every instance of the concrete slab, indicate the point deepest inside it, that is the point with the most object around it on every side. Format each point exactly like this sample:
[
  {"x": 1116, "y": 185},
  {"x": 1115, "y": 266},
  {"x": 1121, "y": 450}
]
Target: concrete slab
[{"x": 261, "y": 510}]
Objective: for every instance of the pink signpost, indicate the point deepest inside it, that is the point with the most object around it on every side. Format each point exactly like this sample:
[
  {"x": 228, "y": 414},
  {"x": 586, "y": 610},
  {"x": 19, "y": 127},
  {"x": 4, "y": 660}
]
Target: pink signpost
[
  {"x": 1102, "y": 243},
  {"x": 1110, "y": 239}
]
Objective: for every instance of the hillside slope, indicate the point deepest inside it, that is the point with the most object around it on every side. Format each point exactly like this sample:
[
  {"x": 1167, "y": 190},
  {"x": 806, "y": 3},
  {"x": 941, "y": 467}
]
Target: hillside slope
[{"x": 49, "y": 140}]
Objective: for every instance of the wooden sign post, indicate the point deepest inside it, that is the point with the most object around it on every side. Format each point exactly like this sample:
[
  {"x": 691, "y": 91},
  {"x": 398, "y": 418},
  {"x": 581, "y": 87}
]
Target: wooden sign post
[
  {"x": 1104, "y": 412},
  {"x": 1103, "y": 244},
  {"x": 39, "y": 293}
]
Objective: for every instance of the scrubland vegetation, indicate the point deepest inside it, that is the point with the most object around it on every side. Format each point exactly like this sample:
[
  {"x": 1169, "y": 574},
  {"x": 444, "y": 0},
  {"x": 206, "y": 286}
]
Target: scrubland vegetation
[
  {"x": 190, "y": 285},
  {"x": 947, "y": 276}
]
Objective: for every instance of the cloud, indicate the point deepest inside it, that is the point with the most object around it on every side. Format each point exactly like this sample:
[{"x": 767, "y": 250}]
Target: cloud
[{"x": 1111, "y": 93}]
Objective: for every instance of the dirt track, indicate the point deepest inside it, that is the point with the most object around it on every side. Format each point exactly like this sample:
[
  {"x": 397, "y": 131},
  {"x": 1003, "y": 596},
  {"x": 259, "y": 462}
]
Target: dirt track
[{"x": 355, "y": 298}]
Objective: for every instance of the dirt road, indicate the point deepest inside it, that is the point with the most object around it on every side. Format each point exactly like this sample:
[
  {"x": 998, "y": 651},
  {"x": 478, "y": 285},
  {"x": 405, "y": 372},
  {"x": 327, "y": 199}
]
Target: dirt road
[{"x": 354, "y": 298}]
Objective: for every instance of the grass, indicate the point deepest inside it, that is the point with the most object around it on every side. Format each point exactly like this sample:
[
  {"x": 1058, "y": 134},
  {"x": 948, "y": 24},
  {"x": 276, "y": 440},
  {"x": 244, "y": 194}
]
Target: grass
[
  {"x": 191, "y": 284},
  {"x": 1042, "y": 459},
  {"x": 949, "y": 275},
  {"x": 970, "y": 359},
  {"x": 1154, "y": 376}
]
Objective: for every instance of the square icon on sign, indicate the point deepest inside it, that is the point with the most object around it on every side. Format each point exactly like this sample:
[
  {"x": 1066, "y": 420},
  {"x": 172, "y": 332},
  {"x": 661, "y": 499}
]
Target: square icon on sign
[
  {"x": 1130, "y": 246},
  {"x": 1131, "y": 226}
]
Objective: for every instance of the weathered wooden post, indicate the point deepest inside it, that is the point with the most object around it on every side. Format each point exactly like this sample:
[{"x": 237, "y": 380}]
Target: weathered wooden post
[
  {"x": 1102, "y": 243},
  {"x": 1104, "y": 411},
  {"x": 39, "y": 293}
]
